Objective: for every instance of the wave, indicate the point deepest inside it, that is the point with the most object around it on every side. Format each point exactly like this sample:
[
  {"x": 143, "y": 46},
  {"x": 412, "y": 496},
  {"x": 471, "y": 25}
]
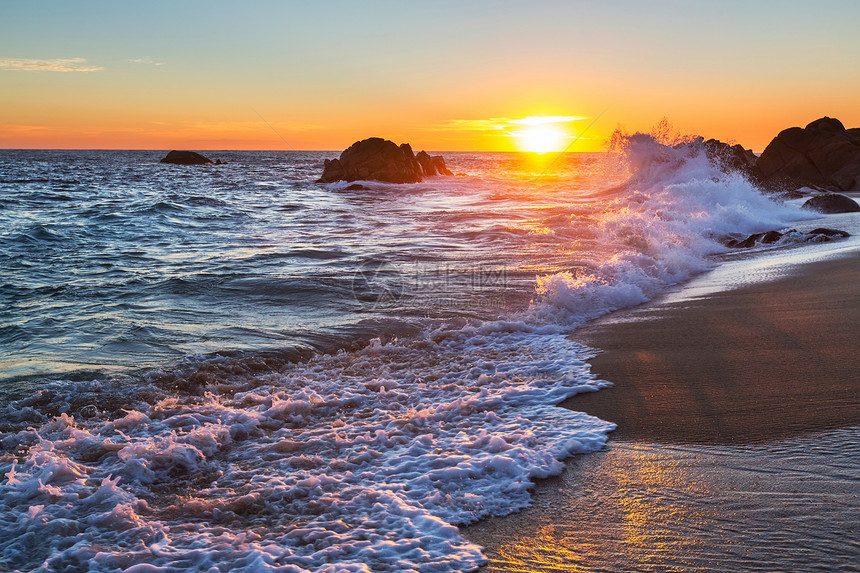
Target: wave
[
  {"x": 658, "y": 229},
  {"x": 359, "y": 456},
  {"x": 363, "y": 459}
]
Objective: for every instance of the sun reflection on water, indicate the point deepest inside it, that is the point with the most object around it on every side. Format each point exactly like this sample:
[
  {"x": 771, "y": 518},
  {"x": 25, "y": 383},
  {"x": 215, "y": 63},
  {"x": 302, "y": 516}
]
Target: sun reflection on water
[{"x": 639, "y": 506}]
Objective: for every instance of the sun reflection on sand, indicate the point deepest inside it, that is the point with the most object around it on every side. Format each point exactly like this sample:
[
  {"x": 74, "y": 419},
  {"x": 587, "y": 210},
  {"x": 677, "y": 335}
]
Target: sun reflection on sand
[
  {"x": 636, "y": 505},
  {"x": 639, "y": 506}
]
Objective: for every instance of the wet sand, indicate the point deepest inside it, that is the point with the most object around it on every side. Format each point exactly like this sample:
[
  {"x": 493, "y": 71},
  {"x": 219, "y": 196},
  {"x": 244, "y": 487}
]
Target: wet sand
[
  {"x": 765, "y": 361},
  {"x": 738, "y": 422}
]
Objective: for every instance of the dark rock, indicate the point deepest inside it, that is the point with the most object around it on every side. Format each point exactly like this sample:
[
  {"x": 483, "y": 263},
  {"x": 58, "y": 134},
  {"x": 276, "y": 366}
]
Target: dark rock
[
  {"x": 356, "y": 187},
  {"x": 731, "y": 157},
  {"x": 426, "y": 163},
  {"x": 441, "y": 168},
  {"x": 771, "y": 237},
  {"x": 832, "y": 233},
  {"x": 722, "y": 155},
  {"x": 332, "y": 170},
  {"x": 826, "y": 124},
  {"x": 815, "y": 235},
  {"x": 823, "y": 153},
  {"x": 378, "y": 159},
  {"x": 830, "y": 203},
  {"x": 763, "y": 238},
  {"x": 186, "y": 158},
  {"x": 432, "y": 165}
]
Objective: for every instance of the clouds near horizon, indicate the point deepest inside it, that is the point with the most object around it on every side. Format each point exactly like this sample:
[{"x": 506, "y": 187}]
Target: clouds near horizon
[
  {"x": 52, "y": 65},
  {"x": 148, "y": 61}
]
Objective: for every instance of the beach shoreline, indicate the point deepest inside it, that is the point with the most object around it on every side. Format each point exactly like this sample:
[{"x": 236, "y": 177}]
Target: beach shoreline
[
  {"x": 705, "y": 388},
  {"x": 762, "y": 361}
]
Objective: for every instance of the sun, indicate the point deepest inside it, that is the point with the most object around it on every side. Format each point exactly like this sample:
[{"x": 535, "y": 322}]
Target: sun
[{"x": 542, "y": 138}]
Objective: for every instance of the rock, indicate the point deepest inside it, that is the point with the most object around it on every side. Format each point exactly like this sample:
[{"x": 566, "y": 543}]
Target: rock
[
  {"x": 356, "y": 187},
  {"x": 830, "y": 203},
  {"x": 432, "y": 165},
  {"x": 441, "y": 168},
  {"x": 732, "y": 157},
  {"x": 819, "y": 235},
  {"x": 722, "y": 155},
  {"x": 378, "y": 159},
  {"x": 831, "y": 233},
  {"x": 763, "y": 238},
  {"x": 823, "y": 153},
  {"x": 332, "y": 170},
  {"x": 186, "y": 158}
]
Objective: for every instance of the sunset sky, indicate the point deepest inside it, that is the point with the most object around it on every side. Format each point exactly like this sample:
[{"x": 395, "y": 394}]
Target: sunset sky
[{"x": 441, "y": 75}]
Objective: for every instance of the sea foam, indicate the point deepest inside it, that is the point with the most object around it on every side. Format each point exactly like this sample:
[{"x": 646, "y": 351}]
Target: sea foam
[
  {"x": 659, "y": 229},
  {"x": 359, "y": 461}
]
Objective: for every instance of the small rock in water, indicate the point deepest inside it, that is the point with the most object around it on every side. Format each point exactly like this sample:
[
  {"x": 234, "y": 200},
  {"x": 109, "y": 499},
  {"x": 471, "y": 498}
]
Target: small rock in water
[
  {"x": 816, "y": 235},
  {"x": 377, "y": 159},
  {"x": 186, "y": 158},
  {"x": 831, "y": 233},
  {"x": 764, "y": 238}
]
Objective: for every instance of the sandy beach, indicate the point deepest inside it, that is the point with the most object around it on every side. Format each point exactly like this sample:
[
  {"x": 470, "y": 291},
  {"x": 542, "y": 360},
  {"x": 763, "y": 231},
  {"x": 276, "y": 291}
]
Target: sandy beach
[
  {"x": 737, "y": 423},
  {"x": 765, "y": 361}
]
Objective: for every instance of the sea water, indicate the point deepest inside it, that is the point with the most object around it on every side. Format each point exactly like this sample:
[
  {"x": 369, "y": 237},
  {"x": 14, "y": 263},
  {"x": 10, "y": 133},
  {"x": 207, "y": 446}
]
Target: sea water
[{"x": 235, "y": 368}]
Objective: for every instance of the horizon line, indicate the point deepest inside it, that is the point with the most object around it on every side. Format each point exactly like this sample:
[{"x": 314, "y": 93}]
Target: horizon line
[{"x": 270, "y": 149}]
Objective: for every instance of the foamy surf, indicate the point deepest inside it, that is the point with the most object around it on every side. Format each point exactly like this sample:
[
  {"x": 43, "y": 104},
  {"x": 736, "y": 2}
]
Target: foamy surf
[
  {"x": 359, "y": 461},
  {"x": 367, "y": 460}
]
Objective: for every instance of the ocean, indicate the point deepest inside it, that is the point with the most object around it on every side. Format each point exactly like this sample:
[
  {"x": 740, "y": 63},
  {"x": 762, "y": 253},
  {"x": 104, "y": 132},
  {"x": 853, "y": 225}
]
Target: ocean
[{"x": 235, "y": 368}]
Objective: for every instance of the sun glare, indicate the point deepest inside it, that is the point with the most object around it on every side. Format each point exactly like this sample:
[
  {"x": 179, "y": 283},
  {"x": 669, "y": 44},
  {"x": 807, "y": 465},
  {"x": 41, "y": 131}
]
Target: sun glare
[{"x": 542, "y": 138}]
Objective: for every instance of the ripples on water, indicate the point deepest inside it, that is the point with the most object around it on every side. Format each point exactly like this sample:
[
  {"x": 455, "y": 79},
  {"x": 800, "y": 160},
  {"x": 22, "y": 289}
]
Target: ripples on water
[{"x": 112, "y": 260}]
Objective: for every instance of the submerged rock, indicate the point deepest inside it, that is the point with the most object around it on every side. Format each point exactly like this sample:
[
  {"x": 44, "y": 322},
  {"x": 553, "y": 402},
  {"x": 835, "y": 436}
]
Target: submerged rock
[
  {"x": 830, "y": 203},
  {"x": 187, "y": 158},
  {"x": 822, "y": 153},
  {"x": 377, "y": 159},
  {"x": 831, "y": 233},
  {"x": 819, "y": 235},
  {"x": 762, "y": 238}
]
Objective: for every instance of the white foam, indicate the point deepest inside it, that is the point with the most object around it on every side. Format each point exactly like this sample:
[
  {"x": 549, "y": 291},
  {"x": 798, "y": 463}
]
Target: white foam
[
  {"x": 360, "y": 461},
  {"x": 660, "y": 230}
]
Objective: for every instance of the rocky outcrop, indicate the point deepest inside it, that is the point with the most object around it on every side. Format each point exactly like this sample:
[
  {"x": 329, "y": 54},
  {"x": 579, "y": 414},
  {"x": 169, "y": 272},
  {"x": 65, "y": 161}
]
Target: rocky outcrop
[
  {"x": 819, "y": 235},
  {"x": 830, "y": 203},
  {"x": 823, "y": 153},
  {"x": 187, "y": 158},
  {"x": 377, "y": 159}
]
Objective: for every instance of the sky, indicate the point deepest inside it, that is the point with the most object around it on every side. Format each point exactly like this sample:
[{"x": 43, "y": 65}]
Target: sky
[{"x": 441, "y": 75}]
